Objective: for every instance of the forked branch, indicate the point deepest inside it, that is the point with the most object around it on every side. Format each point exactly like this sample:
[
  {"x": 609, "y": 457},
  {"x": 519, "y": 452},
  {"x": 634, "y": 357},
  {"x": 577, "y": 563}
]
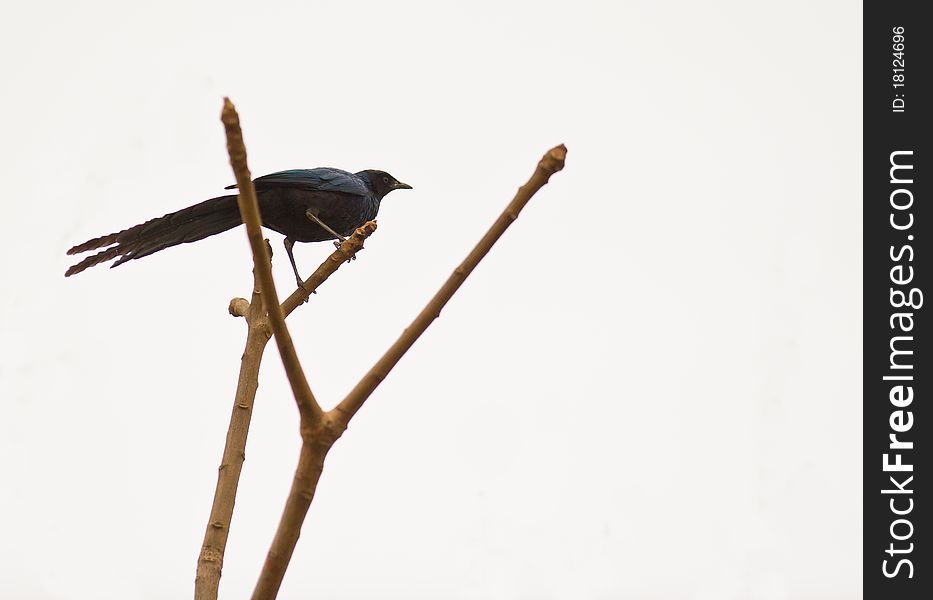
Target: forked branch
[
  {"x": 210, "y": 559},
  {"x": 319, "y": 435},
  {"x": 261, "y": 323}
]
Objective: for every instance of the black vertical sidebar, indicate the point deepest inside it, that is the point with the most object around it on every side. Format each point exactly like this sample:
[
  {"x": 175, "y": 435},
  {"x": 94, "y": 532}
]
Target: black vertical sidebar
[{"x": 898, "y": 383}]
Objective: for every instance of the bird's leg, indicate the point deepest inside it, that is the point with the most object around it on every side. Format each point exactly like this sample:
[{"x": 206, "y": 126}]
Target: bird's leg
[
  {"x": 289, "y": 243},
  {"x": 315, "y": 218}
]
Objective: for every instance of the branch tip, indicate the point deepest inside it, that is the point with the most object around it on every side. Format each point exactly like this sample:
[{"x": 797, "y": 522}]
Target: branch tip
[
  {"x": 239, "y": 307},
  {"x": 228, "y": 114},
  {"x": 553, "y": 161}
]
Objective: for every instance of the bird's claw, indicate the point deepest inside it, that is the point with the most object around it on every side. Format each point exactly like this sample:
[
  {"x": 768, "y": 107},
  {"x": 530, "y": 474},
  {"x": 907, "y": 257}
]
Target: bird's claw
[{"x": 301, "y": 286}]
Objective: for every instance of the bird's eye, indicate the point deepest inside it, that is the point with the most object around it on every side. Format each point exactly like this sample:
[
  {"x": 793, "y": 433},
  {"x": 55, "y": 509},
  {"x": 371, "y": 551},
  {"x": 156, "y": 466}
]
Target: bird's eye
[{"x": 385, "y": 180}]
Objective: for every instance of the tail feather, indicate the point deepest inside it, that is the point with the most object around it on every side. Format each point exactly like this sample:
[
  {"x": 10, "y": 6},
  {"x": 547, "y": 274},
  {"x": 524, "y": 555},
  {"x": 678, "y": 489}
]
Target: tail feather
[
  {"x": 187, "y": 225},
  {"x": 99, "y": 242},
  {"x": 95, "y": 259}
]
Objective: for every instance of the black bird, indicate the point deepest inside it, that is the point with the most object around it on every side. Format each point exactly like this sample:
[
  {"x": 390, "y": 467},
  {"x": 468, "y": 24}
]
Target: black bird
[{"x": 304, "y": 205}]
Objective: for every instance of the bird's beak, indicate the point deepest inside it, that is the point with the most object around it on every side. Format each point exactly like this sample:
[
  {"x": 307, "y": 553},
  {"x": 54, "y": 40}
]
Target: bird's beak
[{"x": 401, "y": 186}]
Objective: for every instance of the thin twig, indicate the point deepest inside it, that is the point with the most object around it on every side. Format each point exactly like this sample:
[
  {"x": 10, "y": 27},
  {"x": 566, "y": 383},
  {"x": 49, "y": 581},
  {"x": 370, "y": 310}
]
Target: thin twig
[
  {"x": 319, "y": 435},
  {"x": 249, "y": 212},
  {"x": 344, "y": 253}
]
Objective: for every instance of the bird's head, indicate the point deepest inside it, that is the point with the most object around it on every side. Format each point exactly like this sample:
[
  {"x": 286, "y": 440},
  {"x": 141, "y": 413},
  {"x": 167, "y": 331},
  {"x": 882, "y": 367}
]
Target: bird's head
[{"x": 381, "y": 183}]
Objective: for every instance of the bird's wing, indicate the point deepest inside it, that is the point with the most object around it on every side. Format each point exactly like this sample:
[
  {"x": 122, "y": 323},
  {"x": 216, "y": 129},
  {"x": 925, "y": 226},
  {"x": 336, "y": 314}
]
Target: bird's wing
[{"x": 323, "y": 179}]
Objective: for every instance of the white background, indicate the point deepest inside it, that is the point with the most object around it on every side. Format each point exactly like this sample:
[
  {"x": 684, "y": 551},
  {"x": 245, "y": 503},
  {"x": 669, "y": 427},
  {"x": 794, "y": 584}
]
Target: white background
[{"x": 650, "y": 388}]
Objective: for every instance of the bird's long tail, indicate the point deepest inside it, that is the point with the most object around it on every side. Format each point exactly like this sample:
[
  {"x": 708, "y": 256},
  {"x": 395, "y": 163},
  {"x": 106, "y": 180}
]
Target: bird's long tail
[{"x": 187, "y": 225}]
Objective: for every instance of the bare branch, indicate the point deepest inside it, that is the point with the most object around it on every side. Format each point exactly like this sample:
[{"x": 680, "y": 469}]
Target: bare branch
[
  {"x": 304, "y": 484},
  {"x": 551, "y": 163},
  {"x": 211, "y": 558},
  {"x": 249, "y": 212},
  {"x": 344, "y": 253}
]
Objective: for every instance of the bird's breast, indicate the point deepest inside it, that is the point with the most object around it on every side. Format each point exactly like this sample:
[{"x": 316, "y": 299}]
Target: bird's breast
[{"x": 284, "y": 210}]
